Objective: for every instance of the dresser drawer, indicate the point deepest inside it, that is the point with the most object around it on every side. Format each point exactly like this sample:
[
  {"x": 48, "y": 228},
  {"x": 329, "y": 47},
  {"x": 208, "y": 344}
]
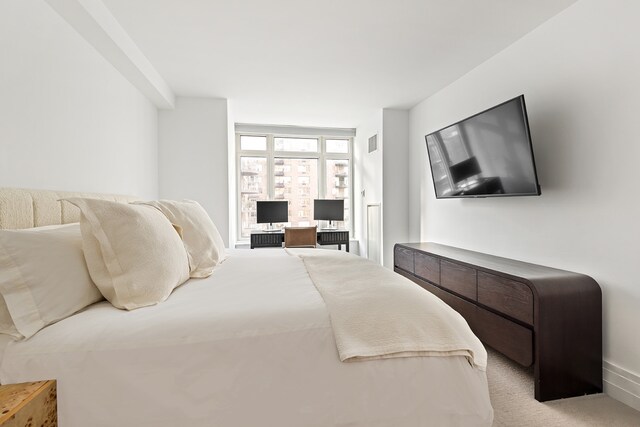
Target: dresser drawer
[
  {"x": 509, "y": 338},
  {"x": 458, "y": 278},
  {"x": 427, "y": 267},
  {"x": 510, "y": 297},
  {"x": 403, "y": 258},
  {"x": 464, "y": 307}
]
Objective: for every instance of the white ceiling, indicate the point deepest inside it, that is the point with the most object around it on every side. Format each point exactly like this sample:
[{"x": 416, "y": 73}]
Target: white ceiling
[{"x": 322, "y": 63}]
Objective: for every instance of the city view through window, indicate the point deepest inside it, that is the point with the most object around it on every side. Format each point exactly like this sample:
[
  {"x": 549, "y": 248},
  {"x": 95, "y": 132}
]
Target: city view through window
[{"x": 297, "y": 170}]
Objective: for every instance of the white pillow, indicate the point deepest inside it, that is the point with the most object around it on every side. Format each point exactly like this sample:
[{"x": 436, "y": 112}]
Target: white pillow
[
  {"x": 201, "y": 238},
  {"x": 134, "y": 255},
  {"x": 43, "y": 278}
]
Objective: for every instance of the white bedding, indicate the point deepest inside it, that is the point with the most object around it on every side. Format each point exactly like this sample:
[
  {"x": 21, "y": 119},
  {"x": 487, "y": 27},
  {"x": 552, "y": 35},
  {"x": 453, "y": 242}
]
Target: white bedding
[
  {"x": 250, "y": 345},
  {"x": 378, "y": 314},
  {"x": 4, "y": 342}
]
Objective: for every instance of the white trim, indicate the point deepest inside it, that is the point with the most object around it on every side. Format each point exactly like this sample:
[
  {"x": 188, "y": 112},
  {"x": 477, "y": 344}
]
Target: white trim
[
  {"x": 621, "y": 384},
  {"x": 366, "y": 241},
  {"x": 295, "y": 130}
]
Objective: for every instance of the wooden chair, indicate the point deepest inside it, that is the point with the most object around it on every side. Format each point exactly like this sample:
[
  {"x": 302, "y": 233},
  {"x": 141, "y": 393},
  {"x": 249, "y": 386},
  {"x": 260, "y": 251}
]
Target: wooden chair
[{"x": 300, "y": 237}]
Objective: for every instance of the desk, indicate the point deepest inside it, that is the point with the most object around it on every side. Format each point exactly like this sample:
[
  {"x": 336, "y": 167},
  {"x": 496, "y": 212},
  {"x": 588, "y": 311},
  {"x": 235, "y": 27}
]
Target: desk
[{"x": 262, "y": 239}]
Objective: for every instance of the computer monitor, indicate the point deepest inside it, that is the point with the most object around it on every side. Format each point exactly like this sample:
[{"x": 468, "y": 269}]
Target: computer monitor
[
  {"x": 270, "y": 211},
  {"x": 328, "y": 209}
]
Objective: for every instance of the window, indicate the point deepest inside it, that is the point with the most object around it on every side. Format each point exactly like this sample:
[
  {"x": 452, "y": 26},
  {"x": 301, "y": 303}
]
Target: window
[
  {"x": 292, "y": 187},
  {"x": 296, "y": 169},
  {"x": 296, "y": 144},
  {"x": 338, "y": 185},
  {"x": 253, "y": 142},
  {"x": 254, "y": 185},
  {"x": 337, "y": 145}
]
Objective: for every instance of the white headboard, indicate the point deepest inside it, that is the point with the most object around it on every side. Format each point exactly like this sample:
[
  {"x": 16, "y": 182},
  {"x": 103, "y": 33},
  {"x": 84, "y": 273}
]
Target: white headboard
[{"x": 22, "y": 208}]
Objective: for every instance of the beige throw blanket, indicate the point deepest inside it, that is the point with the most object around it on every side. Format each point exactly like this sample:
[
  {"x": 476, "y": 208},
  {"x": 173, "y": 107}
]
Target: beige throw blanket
[{"x": 376, "y": 313}]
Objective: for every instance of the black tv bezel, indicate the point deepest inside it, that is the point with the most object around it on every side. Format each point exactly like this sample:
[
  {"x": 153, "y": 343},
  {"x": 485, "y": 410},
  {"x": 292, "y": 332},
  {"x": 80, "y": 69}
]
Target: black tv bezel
[
  {"x": 482, "y": 196},
  {"x": 272, "y": 202}
]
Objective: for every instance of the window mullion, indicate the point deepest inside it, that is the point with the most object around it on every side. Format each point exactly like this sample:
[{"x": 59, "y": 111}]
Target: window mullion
[
  {"x": 271, "y": 167},
  {"x": 322, "y": 172},
  {"x": 238, "y": 187},
  {"x": 296, "y": 154}
]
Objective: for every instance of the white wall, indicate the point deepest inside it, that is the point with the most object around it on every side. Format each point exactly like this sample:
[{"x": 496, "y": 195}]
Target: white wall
[
  {"x": 383, "y": 175},
  {"x": 68, "y": 119},
  {"x": 395, "y": 172},
  {"x": 579, "y": 73},
  {"x": 367, "y": 176},
  {"x": 193, "y": 156},
  {"x": 232, "y": 174}
]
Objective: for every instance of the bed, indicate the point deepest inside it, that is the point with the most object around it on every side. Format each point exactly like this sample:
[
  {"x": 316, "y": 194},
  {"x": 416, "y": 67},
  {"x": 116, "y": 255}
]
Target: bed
[{"x": 250, "y": 345}]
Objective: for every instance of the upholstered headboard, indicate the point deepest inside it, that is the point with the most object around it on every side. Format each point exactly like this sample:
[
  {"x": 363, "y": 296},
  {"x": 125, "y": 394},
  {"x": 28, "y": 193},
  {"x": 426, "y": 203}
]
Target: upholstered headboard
[{"x": 22, "y": 208}]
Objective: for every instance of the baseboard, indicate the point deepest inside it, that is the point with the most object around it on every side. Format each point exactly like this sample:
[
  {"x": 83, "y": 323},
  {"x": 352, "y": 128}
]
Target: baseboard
[{"x": 621, "y": 384}]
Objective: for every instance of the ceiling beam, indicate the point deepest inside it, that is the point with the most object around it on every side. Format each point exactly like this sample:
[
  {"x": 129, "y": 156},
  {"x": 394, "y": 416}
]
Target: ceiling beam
[{"x": 95, "y": 23}]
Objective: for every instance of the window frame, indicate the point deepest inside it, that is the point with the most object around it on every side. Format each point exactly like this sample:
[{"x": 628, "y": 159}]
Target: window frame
[{"x": 321, "y": 155}]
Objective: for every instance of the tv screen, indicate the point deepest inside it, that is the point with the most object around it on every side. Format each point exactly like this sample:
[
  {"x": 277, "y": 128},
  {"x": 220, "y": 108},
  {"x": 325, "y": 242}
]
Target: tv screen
[
  {"x": 328, "y": 209},
  {"x": 272, "y": 211},
  {"x": 488, "y": 154}
]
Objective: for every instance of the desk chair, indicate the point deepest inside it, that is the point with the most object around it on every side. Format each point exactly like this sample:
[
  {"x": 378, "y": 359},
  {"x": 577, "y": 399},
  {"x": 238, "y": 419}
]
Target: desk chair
[{"x": 300, "y": 237}]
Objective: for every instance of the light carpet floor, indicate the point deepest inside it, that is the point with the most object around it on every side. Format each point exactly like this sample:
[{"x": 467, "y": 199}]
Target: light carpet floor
[{"x": 511, "y": 390}]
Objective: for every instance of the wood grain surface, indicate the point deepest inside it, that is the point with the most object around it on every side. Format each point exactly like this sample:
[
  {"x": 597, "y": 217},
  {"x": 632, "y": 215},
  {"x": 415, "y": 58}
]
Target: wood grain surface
[
  {"x": 29, "y": 405},
  {"x": 507, "y": 296}
]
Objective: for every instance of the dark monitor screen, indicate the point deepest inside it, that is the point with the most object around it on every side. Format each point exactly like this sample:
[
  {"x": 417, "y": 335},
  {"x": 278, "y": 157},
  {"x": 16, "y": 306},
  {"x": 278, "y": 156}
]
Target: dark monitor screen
[
  {"x": 488, "y": 154},
  {"x": 328, "y": 209},
  {"x": 272, "y": 211}
]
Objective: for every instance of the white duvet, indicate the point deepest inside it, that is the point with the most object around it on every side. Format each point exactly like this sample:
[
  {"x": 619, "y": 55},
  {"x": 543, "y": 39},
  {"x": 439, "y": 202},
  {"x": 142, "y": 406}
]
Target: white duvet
[{"x": 251, "y": 345}]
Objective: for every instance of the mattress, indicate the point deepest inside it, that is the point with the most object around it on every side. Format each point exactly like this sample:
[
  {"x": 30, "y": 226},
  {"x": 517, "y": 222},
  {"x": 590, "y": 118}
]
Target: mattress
[{"x": 250, "y": 345}]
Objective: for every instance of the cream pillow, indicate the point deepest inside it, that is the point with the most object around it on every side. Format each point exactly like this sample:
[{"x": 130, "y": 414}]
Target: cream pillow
[
  {"x": 43, "y": 278},
  {"x": 134, "y": 255},
  {"x": 201, "y": 238}
]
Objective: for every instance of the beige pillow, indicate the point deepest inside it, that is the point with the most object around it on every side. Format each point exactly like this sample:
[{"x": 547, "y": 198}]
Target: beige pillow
[
  {"x": 201, "y": 238},
  {"x": 43, "y": 278},
  {"x": 134, "y": 254}
]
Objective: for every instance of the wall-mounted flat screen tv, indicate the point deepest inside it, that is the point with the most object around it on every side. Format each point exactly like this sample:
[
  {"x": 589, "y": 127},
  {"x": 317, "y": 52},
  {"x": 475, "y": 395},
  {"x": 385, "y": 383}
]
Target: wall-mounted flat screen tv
[{"x": 486, "y": 155}]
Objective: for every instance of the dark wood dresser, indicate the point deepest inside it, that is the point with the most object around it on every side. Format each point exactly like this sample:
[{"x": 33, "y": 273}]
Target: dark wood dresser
[{"x": 532, "y": 314}]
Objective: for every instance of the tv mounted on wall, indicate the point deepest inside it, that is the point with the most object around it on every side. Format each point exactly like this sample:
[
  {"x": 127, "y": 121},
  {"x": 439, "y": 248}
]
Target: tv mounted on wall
[{"x": 486, "y": 155}]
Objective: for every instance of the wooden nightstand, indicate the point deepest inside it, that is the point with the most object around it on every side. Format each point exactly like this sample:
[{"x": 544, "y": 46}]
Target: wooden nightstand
[{"x": 29, "y": 405}]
